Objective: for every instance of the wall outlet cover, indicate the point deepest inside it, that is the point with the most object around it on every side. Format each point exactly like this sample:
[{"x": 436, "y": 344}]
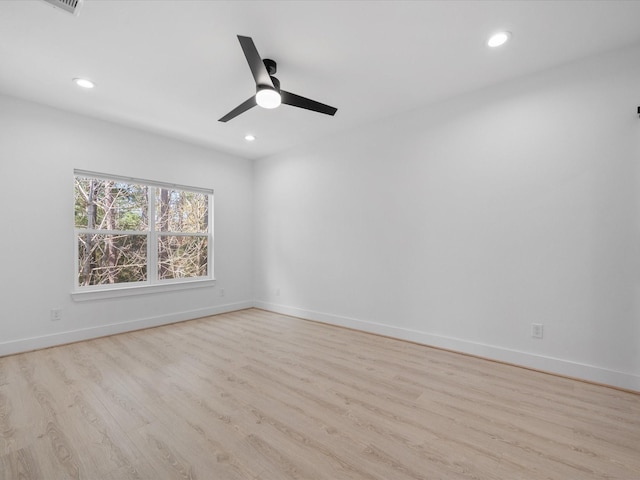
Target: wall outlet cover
[{"x": 537, "y": 330}]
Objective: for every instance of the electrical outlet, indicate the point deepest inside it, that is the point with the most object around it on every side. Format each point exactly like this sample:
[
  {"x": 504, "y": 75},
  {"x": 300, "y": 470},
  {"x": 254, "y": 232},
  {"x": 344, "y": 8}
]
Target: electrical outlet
[
  {"x": 56, "y": 314},
  {"x": 537, "y": 330},
  {"x": 277, "y": 292},
  {"x": 222, "y": 292}
]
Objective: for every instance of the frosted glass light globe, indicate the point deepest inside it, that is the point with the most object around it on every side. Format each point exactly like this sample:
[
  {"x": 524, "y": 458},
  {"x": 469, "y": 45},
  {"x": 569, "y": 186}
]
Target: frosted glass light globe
[{"x": 268, "y": 98}]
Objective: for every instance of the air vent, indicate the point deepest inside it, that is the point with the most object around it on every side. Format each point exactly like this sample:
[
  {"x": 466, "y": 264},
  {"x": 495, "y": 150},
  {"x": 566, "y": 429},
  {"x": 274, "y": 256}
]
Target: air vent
[{"x": 70, "y": 6}]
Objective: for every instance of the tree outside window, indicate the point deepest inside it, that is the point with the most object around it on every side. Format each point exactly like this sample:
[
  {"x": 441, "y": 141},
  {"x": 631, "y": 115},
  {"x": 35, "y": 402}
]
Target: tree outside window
[{"x": 137, "y": 232}]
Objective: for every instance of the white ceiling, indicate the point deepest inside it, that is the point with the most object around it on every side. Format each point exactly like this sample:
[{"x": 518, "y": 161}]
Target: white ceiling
[{"x": 176, "y": 67}]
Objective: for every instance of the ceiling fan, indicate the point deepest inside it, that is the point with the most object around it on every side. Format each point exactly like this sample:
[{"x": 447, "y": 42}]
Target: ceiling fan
[{"x": 268, "y": 92}]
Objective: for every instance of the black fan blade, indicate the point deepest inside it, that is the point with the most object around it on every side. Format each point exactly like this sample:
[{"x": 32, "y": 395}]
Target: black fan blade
[
  {"x": 259, "y": 71},
  {"x": 302, "y": 102},
  {"x": 243, "y": 107}
]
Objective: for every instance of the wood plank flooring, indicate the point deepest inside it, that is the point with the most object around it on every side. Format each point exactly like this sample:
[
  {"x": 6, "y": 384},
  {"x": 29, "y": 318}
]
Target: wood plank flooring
[{"x": 256, "y": 395}]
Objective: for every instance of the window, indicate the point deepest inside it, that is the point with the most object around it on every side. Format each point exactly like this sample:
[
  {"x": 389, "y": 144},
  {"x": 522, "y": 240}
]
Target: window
[{"x": 131, "y": 232}]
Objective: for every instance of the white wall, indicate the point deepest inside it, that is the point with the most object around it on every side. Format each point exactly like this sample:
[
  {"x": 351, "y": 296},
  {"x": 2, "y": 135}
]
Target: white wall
[
  {"x": 457, "y": 225},
  {"x": 461, "y": 224},
  {"x": 39, "y": 149}
]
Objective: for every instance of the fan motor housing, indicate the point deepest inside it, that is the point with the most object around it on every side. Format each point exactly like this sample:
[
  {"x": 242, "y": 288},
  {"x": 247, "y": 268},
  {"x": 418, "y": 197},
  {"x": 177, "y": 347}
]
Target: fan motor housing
[{"x": 276, "y": 83}]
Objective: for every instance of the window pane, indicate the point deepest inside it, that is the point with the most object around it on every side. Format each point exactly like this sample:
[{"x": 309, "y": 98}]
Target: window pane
[
  {"x": 181, "y": 257},
  {"x": 181, "y": 211},
  {"x": 110, "y": 205},
  {"x": 111, "y": 259}
]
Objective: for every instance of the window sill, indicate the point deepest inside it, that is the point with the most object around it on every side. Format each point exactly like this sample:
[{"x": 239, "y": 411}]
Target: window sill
[{"x": 83, "y": 296}]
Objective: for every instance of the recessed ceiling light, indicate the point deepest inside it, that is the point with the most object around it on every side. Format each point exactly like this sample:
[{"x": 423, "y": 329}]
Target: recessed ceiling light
[
  {"x": 249, "y": 138},
  {"x": 498, "y": 39},
  {"x": 84, "y": 83}
]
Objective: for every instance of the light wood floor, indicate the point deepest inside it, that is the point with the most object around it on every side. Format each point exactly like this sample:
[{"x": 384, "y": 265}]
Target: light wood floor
[{"x": 255, "y": 395}]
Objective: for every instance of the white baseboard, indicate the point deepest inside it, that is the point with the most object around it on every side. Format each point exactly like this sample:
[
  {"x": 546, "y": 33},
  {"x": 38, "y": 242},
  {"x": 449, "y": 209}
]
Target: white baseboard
[
  {"x": 44, "y": 341},
  {"x": 558, "y": 366},
  {"x": 553, "y": 365}
]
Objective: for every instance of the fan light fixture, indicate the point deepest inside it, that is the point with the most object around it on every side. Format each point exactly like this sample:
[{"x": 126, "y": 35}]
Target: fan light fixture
[
  {"x": 498, "y": 39},
  {"x": 268, "y": 98},
  {"x": 268, "y": 92},
  {"x": 249, "y": 138},
  {"x": 84, "y": 83}
]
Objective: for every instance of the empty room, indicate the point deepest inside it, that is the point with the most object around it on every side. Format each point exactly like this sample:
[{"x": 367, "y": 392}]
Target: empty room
[{"x": 320, "y": 240}]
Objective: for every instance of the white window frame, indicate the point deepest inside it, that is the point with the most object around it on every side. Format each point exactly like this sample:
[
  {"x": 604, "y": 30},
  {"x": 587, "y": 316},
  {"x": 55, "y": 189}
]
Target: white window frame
[{"x": 153, "y": 283}]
